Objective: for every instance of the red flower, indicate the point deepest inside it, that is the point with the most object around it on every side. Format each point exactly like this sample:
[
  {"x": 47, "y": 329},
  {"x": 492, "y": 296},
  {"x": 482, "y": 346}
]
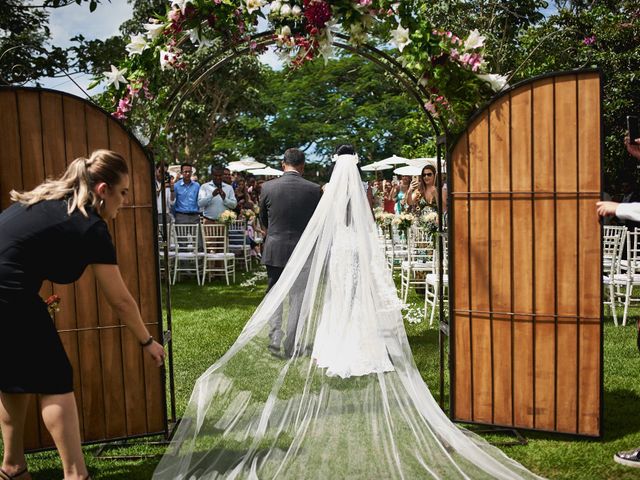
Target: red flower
[{"x": 317, "y": 12}]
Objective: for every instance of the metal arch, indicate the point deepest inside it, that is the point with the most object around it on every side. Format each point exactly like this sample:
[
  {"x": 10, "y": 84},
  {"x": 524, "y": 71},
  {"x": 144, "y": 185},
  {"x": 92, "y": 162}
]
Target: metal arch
[{"x": 380, "y": 58}]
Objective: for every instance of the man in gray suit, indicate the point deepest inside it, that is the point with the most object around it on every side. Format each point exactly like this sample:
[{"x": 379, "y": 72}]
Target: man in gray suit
[{"x": 286, "y": 205}]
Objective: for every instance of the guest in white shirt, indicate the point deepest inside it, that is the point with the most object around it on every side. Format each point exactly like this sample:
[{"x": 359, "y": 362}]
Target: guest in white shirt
[{"x": 215, "y": 196}]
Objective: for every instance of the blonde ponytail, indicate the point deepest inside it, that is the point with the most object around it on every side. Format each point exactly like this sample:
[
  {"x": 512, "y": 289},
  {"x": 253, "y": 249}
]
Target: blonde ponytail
[{"x": 77, "y": 182}]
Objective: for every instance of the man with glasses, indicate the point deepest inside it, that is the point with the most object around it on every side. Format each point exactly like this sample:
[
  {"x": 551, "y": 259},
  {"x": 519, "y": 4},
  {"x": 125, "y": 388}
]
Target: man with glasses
[{"x": 186, "y": 194}]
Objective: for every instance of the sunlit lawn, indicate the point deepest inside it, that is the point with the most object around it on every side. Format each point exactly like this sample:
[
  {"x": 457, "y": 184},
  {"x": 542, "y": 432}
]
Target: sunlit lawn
[{"x": 207, "y": 320}]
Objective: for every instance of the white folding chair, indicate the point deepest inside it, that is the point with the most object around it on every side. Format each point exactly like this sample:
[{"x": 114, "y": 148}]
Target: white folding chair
[
  {"x": 432, "y": 280},
  {"x": 187, "y": 256},
  {"x": 612, "y": 250},
  {"x": 238, "y": 242},
  {"x": 608, "y": 233},
  {"x": 217, "y": 257},
  {"x": 419, "y": 260},
  {"x": 627, "y": 274}
]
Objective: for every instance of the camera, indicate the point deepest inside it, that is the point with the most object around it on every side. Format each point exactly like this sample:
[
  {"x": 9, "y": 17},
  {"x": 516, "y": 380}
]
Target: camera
[{"x": 167, "y": 177}]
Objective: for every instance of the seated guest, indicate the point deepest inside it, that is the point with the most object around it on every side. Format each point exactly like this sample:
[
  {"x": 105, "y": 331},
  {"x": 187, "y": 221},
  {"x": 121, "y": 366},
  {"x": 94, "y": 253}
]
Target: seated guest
[
  {"x": 216, "y": 196},
  {"x": 242, "y": 197}
]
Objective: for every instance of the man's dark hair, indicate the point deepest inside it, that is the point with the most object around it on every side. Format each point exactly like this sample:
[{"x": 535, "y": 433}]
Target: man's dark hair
[
  {"x": 217, "y": 169},
  {"x": 293, "y": 157},
  {"x": 159, "y": 164},
  {"x": 345, "y": 149},
  {"x": 182, "y": 165}
]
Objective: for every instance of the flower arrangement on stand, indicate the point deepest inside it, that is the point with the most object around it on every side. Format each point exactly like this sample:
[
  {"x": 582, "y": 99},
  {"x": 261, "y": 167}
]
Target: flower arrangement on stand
[
  {"x": 248, "y": 214},
  {"x": 227, "y": 217},
  {"x": 428, "y": 221}
]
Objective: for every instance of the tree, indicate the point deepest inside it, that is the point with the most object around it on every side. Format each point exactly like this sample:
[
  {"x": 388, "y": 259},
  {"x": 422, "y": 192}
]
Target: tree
[
  {"x": 317, "y": 107},
  {"x": 603, "y": 34}
]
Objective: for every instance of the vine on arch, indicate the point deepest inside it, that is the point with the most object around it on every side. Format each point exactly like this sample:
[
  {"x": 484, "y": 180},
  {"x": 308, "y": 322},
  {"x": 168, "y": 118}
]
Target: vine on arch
[{"x": 452, "y": 69}]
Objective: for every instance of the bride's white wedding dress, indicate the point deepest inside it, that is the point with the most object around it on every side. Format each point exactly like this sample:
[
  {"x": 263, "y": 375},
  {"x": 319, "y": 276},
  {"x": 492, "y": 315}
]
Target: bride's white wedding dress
[{"x": 350, "y": 403}]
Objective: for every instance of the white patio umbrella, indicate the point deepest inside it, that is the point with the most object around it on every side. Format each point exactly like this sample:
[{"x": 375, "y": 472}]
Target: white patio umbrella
[
  {"x": 410, "y": 170},
  {"x": 246, "y": 163},
  {"x": 429, "y": 161},
  {"x": 394, "y": 160},
  {"x": 376, "y": 166},
  {"x": 268, "y": 171}
]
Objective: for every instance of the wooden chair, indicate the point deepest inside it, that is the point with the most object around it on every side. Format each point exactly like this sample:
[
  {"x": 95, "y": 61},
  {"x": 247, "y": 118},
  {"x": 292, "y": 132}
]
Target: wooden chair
[{"x": 217, "y": 257}]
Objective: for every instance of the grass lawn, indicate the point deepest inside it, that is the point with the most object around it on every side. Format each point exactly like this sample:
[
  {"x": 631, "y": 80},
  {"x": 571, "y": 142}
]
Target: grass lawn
[{"x": 208, "y": 319}]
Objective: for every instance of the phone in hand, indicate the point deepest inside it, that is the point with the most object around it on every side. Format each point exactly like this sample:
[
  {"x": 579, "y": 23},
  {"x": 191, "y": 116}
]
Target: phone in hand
[{"x": 632, "y": 128}]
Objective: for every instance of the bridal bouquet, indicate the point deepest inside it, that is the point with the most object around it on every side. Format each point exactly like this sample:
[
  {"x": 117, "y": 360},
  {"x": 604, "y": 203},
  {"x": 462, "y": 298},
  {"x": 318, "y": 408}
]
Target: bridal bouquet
[{"x": 227, "y": 217}]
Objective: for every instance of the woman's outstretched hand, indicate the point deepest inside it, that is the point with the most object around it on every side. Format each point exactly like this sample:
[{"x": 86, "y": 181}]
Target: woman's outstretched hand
[{"x": 157, "y": 352}]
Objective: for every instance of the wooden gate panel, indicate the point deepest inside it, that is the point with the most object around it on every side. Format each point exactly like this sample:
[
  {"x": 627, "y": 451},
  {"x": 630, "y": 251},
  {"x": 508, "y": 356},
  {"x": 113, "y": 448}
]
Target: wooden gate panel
[
  {"x": 119, "y": 393},
  {"x": 525, "y": 177}
]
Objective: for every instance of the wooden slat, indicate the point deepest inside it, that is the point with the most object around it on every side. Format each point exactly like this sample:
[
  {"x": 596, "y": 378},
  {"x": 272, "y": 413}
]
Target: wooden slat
[
  {"x": 567, "y": 250},
  {"x": 479, "y": 272},
  {"x": 30, "y": 139},
  {"x": 544, "y": 252},
  {"x": 10, "y": 156},
  {"x": 521, "y": 142},
  {"x": 500, "y": 262},
  {"x": 461, "y": 323},
  {"x": 590, "y": 271}
]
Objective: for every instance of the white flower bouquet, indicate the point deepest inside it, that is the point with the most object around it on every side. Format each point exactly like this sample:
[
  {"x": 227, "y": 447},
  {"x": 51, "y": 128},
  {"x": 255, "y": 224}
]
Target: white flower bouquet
[{"x": 227, "y": 217}]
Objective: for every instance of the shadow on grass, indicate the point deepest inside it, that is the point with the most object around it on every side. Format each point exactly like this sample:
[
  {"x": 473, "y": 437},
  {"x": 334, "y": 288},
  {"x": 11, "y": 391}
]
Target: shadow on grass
[
  {"x": 620, "y": 413},
  {"x": 190, "y": 296}
]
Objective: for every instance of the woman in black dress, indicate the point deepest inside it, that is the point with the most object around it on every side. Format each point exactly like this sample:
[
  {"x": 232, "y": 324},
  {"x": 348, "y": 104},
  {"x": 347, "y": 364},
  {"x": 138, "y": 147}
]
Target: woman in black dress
[{"x": 53, "y": 233}]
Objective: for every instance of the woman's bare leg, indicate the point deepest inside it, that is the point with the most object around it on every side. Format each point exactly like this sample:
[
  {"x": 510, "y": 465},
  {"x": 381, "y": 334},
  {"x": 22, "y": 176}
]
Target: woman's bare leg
[
  {"x": 60, "y": 415},
  {"x": 13, "y": 412}
]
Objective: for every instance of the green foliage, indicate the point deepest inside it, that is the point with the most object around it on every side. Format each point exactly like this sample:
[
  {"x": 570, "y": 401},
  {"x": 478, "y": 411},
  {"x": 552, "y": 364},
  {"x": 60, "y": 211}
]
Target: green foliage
[
  {"x": 318, "y": 106},
  {"x": 24, "y": 51},
  {"x": 598, "y": 34}
]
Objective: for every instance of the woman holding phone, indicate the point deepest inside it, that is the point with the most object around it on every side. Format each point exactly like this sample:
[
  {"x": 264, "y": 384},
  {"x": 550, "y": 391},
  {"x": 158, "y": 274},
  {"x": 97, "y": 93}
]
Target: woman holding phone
[{"x": 423, "y": 191}]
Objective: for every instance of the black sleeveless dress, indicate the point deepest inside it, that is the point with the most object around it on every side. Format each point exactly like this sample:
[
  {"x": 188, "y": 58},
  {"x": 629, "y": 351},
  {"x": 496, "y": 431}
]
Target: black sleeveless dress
[{"x": 37, "y": 243}]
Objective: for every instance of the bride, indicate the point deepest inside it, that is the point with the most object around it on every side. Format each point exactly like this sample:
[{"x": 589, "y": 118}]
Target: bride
[{"x": 350, "y": 402}]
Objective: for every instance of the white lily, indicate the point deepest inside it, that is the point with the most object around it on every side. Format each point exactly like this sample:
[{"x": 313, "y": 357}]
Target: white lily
[
  {"x": 154, "y": 30},
  {"x": 474, "y": 40},
  {"x": 296, "y": 11},
  {"x": 285, "y": 10},
  {"x": 137, "y": 46},
  {"x": 275, "y": 6},
  {"x": 181, "y": 4},
  {"x": 166, "y": 59},
  {"x": 497, "y": 81},
  {"x": 401, "y": 37},
  {"x": 115, "y": 77},
  {"x": 253, "y": 5}
]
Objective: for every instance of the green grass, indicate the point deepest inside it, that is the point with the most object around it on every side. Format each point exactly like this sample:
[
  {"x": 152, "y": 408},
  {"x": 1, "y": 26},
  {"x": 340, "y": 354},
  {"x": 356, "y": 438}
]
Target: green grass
[{"x": 207, "y": 320}]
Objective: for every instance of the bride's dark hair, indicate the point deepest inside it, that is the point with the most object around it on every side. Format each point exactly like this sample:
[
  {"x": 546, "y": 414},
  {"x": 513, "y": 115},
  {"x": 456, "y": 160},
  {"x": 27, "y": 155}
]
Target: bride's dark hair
[{"x": 345, "y": 149}]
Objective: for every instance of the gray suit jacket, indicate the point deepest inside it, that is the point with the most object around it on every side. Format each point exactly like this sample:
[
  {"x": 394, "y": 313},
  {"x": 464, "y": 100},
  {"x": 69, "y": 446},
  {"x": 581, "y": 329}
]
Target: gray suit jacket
[{"x": 286, "y": 205}]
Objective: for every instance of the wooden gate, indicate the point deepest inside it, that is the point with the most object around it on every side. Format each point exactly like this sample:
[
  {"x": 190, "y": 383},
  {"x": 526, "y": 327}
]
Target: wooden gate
[
  {"x": 526, "y": 259},
  {"x": 120, "y": 393}
]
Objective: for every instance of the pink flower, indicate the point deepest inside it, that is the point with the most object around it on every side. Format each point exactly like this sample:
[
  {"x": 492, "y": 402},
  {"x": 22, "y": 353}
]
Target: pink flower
[{"x": 589, "y": 40}]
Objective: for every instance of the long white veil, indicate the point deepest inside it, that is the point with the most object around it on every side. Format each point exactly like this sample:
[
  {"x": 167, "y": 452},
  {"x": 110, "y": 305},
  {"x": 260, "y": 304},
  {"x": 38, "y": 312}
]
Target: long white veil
[{"x": 349, "y": 401}]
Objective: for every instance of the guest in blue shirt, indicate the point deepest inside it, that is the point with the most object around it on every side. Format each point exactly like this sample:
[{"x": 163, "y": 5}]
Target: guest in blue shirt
[{"x": 186, "y": 190}]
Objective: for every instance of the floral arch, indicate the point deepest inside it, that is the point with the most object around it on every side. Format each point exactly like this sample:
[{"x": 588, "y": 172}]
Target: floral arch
[{"x": 444, "y": 73}]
